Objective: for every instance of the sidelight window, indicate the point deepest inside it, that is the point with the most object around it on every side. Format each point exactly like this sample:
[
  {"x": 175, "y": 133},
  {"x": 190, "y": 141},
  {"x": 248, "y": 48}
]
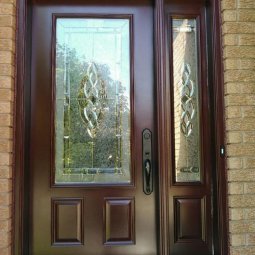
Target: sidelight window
[{"x": 186, "y": 88}]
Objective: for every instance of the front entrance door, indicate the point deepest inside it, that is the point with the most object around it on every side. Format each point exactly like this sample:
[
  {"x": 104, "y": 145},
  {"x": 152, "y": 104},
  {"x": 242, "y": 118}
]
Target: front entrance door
[
  {"x": 93, "y": 184},
  {"x": 93, "y": 168}
]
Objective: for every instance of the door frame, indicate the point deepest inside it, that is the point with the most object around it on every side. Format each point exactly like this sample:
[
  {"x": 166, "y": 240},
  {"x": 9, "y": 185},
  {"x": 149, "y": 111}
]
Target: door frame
[{"x": 21, "y": 192}]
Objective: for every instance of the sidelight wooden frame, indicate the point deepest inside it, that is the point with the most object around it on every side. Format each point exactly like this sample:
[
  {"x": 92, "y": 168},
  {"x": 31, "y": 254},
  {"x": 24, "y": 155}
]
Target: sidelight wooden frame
[{"x": 20, "y": 212}]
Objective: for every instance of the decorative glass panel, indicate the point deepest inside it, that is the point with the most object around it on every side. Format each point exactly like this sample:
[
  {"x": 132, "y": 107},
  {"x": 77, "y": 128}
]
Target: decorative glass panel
[
  {"x": 186, "y": 96},
  {"x": 92, "y": 116}
]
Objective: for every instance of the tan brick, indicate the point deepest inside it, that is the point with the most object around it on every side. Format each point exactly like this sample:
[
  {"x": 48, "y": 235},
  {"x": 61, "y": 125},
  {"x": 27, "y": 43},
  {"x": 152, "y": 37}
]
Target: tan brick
[
  {"x": 5, "y": 159},
  {"x": 249, "y": 137},
  {"x": 249, "y": 188},
  {"x": 246, "y": 4},
  {"x": 6, "y": 82},
  {"x": 236, "y": 213},
  {"x": 240, "y": 87},
  {"x": 231, "y": 63},
  {"x": 5, "y": 225},
  {"x": 241, "y": 150},
  {"x": 5, "y": 132},
  {"x": 235, "y": 63},
  {"x": 249, "y": 213},
  {"x": 247, "y": 63},
  {"x": 233, "y": 112},
  {"x": 244, "y": 124},
  {"x": 239, "y": 75},
  {"x": 5, "y": 120},
  {"x": 5, "y": 198},
  {"x": 228, "y": 4},
  {"x": 6, "y": 21},
  {"x": 5, "y": 145},
  {"x": 232, "y": 88},
  {"x": 6, "y": 69},
  {"x": 6, "y": 57},
  {"x": 241, "y": 175},
  {"x": 6, "y": 250},
  {"x": 246, "y": 15},
  {"x": 249, "y": 163},
  {"x": 230, "y": 39},
  {"x": 250, "y": 239},
  {"x": 237, "y": 240},
  {"x": 5, "y": 212},
  {"x": 248, "y": 39},
  {"x": 5, "y": 172},
  {"x": 234, "y": 163},
  {"x": 5, "y": 107},
  {"x": 234, "y": 137},
  {"x": 7, "y": 9},
  {"x": 247, "y": 200},
  {"x": 7, "y": 45},
  {"x": 248, "y": 111},
  {"x": 6, "y": 33},
  {"x": 229, "y": 15},
  {"x": 248, "y": 87},
  {"x": 6, "y": 95},
  {"x": 5, "y": 239},
  {"x": 5, "y": 185},
  {"x": 241, "y": 226},
  {"x": 235, "y": 188},
  {"x": 8, "y": 1},
  {"x": 242, "y": 250},
  {"x": 240, "y": 99},
  {"x": 238, "y": 28},
  {"x": 240, "y": 51}
]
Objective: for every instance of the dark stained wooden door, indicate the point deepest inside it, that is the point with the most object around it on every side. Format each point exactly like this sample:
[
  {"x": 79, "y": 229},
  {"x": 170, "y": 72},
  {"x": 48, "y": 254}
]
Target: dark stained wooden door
[
  {"x": 92, "y": 95},
  {"x": 83, "y": 213}
]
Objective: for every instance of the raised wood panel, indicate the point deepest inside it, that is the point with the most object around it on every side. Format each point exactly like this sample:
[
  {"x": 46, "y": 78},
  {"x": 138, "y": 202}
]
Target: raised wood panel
[
  {"x": 189, "y": 219},
  {"x": 67, "y": 221},
  {"x": 119, "y": 221}
]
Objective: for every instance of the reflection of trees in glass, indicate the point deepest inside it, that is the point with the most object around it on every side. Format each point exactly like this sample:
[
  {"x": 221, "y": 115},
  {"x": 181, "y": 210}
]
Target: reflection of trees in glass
[{"x": 81, "y": 150}]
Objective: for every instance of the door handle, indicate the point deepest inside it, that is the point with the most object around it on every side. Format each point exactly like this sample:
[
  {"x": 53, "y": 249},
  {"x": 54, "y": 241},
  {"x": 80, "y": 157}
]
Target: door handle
[
  {"x": 147, "y": 162},
  {"x": 147, "y": 175}
]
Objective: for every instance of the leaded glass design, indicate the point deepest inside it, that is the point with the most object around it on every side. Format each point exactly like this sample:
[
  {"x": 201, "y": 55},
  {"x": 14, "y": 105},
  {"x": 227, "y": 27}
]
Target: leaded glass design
[
  {"x": 186, "y": 100},
  {"x": 92, "y": 116},
  {"x": 92, "y": 99}
]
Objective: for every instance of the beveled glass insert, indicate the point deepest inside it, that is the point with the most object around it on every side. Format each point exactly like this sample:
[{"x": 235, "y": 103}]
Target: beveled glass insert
[
  {"x": 92, "y": 106},
  {"x": 186, "y": 100}
]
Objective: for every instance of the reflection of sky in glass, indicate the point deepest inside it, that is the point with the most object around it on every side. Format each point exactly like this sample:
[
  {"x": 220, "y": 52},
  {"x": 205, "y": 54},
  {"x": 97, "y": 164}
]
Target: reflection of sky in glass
[{"x": 103, "y": 41}]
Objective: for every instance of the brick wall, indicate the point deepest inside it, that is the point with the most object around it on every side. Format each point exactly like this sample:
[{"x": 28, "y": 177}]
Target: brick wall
[
  {"x": 7, "y": 46},
  {"x": 239, "y": 63}
]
